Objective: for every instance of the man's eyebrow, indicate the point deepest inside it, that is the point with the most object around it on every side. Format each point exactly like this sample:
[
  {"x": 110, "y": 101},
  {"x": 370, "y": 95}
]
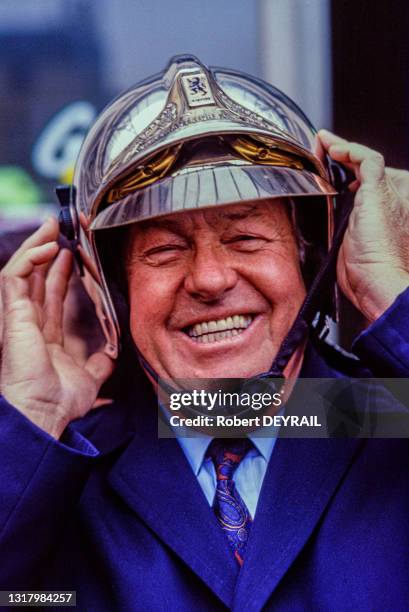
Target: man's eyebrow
[{"x": 172, "y": 225}]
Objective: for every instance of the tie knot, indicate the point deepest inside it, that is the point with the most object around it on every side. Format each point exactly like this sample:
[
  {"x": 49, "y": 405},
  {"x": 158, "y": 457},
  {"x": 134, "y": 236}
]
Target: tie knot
[{"x": 226, "y": 455}]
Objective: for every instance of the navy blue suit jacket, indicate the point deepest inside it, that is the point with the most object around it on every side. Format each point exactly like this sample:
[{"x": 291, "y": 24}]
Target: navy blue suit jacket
[{"x": 130, "y": 529}]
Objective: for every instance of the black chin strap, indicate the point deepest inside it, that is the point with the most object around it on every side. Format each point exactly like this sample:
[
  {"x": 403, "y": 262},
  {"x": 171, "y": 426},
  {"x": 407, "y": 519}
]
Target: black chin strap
[{"x": 308, "y": 311}]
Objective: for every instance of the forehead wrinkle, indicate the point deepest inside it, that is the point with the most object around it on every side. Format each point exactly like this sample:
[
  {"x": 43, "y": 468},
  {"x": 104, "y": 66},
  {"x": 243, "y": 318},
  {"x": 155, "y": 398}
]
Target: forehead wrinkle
[
  {"x": 248, "y": 210},
  {"x": 174, "y": 225},
  {"x": 179, "y": 224},
  {"x": 251, "y": 210}
]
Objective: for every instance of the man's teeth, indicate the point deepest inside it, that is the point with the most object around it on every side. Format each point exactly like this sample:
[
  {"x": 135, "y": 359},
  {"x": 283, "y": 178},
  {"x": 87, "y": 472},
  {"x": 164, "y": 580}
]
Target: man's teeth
[{"x": 222, "y": 329}]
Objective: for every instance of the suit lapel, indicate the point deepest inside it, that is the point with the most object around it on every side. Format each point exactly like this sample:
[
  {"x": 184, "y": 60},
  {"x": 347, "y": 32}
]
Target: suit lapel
[
  {"x": 301, "y": 478},
  {"x": 156, "y": 481}
]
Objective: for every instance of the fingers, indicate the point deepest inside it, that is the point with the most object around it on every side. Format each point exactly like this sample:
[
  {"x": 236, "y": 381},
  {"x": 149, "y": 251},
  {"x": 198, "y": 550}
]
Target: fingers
[
  {"x": 368, "y": 165},
  {"x": 22, "y": 317},
  {"x": 330, "y": 142},
  {"x": 37, "y": 288},
  {"x": 100, "y": 366},
  {"x": 39, "y": 248},
  {"x": 37, "y": 283},
  {"x": 329, "y": 138},
  {"x": 102, "y": 401},
  {"x": 23, "y": 277},
  {"x": 56, "y": 286},
  {"x": 47, "y": 232},
  {"x": 22, "y": 263},
  {"x": 354, "y": 186},
  {"x": 33, "y": 287},
  {"x": 15, "y": 282}
]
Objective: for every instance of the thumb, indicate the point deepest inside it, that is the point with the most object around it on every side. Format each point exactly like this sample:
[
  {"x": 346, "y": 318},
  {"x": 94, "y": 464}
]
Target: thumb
[{"x": 100, "y": 367}]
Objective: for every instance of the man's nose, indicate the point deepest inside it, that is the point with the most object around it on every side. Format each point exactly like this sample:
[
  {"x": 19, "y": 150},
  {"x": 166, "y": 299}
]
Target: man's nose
[{"x": 210, "y": 275}]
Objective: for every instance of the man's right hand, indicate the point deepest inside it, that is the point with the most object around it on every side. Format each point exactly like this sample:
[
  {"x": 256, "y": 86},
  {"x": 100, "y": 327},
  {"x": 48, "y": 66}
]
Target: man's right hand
[{"x": 37, "y": 375}]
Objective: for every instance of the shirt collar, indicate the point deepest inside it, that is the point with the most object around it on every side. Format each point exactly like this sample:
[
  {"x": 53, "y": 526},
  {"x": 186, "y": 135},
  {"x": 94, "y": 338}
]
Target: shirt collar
[
  {"x": 264, "y": 446},
  {"x": 195, "y": 448}
]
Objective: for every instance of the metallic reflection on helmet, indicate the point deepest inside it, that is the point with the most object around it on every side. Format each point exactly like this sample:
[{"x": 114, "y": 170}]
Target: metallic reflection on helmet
[{"x": 192, "y": 137}]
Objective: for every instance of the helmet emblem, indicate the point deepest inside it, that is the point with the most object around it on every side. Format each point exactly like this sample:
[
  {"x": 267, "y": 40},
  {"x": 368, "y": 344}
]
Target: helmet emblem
[{"x": 197, "y": 89}]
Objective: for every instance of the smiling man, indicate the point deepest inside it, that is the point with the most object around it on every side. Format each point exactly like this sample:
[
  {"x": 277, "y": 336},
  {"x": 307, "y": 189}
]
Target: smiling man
[
  {"x": 209, "y": 288},
  {"x": 201, "y": 217}
]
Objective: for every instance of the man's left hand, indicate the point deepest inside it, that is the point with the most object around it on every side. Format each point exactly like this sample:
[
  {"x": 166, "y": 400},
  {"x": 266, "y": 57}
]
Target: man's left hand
[{"x": 373, "y": 261}]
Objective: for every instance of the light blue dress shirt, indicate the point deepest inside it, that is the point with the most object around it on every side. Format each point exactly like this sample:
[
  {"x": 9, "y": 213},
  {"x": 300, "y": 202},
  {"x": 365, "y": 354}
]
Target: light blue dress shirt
[{"x": 248, "y": 477}]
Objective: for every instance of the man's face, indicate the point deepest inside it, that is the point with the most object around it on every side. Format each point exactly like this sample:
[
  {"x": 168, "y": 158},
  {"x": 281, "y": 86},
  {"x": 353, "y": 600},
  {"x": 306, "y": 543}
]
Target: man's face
[{"x": 214, "y": 292}]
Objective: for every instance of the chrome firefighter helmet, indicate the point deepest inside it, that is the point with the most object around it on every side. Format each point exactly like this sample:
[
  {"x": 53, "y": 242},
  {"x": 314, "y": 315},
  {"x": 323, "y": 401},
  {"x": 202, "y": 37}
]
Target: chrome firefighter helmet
[{"x": 191, "y": 137}]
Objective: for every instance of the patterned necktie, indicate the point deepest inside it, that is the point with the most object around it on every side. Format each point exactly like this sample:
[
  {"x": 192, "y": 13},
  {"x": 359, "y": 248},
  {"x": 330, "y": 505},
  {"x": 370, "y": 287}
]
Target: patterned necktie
[{"x": 231, "y": 511}]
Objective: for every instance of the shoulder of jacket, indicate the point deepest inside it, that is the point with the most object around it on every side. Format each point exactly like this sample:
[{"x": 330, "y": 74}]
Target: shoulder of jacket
[{"x": 339, "y": 359}]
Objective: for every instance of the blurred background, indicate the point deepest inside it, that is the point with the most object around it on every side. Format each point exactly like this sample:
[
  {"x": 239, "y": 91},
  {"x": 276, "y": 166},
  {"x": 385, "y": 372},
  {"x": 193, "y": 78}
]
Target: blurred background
[{"x": 345, "y": 62}]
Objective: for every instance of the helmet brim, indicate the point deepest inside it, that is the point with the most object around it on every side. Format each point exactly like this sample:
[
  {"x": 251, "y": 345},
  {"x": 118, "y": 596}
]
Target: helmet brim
[{"x": 208, "y": 186}]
